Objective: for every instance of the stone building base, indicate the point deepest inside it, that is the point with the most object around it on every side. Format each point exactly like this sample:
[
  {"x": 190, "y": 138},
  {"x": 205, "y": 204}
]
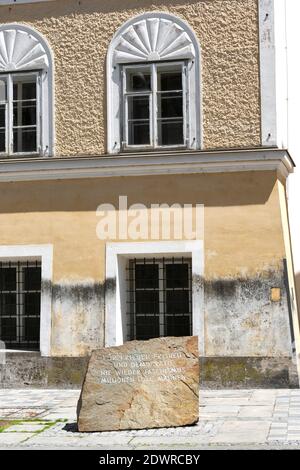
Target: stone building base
[{"x": 29, "y": 369}]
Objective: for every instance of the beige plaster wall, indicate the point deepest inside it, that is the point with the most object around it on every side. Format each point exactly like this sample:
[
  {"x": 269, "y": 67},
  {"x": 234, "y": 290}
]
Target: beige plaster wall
[
  {"x": 244, "y": 251},
  {"x": 79, "y": 33}
]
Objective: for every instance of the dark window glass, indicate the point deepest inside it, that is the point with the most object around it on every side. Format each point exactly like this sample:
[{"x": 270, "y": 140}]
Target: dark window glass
[
  {"x": 178, "y": 326},
  {"x": 25, "y": 140},
  {"x": 2, "y": 126},
  {"x": 32, "y": 329},
  {"x": 146, "y": 302},
  {"x": 177, "y": 301},
  {"x": 139, "y": 80},
  {"x": 24, "y": 116},
  {"x": 25, "y": 113},
  {"x": 177, "y": 275},
  {"x": 32, "y": 276},
  {"x": 2, "y": 115},
  {"x": 138, "y": 120},
  {"x": 146, "y": 276},
  {"x": 8, "y": 279},
  {"x": 147, "y": 327},
  {"x": 32, "y": 303},
  {"x": 8, "y": 329},
  {"x": 170, "y": 105},
  {"x": 170, "y": 132},
  {"x": 2, "y": 141},
  {"x": 170, "y": 108},
  {"x": 8, "y": 304},
  {"x": 170, "y": 81}
]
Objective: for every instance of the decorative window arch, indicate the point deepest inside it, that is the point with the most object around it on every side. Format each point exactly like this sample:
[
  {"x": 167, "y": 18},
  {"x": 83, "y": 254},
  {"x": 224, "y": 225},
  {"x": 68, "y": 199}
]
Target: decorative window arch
[
  {"x": 26, "y": 92},
  {"x": 149, "y": 42}
]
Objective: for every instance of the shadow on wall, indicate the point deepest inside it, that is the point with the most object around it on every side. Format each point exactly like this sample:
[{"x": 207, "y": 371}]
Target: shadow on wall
[
  {"x": 212, "y": 190},
  {"x": 68, "y": 7}
]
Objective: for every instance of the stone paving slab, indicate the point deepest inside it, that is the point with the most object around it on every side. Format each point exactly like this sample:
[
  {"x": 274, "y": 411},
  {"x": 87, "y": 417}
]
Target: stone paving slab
[{"x": 263, "y": 418}]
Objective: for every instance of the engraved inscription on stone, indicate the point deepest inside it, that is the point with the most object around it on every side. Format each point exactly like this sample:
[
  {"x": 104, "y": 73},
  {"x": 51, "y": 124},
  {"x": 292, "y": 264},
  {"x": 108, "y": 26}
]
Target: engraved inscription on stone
[
  {"x": 137, "y": 368},
  {"x": 142, "y": 384}
]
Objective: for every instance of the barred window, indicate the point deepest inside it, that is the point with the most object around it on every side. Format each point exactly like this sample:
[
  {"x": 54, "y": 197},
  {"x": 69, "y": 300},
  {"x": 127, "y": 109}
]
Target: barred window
[
  {"x": 20, "y": 300},
  {"x": 159, "y": 298}
]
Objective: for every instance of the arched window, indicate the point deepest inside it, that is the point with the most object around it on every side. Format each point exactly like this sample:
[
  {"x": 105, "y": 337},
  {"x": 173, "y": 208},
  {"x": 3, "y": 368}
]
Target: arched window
[
  {"x": 153, "y": 85},
  {"x": 26, "y": 100}
]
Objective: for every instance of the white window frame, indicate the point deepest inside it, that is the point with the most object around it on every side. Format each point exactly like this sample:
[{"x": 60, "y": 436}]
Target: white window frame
[
  {"x": 162, "y": 289},
  {"x": 194, "y": 134},
  {"x": 117, "y": 255},
  {"x": 20, "y": 296},
  {"x": 44, "y": 254},
  {"x": 9, "y": 127},
  {"x": 153, "y": 106},
  {"x": 16, "y": 58}
]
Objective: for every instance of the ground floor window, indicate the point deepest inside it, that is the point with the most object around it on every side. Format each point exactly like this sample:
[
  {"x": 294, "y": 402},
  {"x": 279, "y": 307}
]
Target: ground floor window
[
  {"x": 159, "y": 293},
  {"x": 20, "y": 304}
]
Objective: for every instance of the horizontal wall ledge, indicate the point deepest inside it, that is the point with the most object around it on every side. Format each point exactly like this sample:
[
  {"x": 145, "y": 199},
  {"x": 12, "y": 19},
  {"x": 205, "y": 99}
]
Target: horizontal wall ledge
[{"x": 51, "y": 168}]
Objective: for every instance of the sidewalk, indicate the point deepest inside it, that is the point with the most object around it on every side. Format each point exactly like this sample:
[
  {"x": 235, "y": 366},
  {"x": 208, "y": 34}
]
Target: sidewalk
[{"x": 228, "y": 418}]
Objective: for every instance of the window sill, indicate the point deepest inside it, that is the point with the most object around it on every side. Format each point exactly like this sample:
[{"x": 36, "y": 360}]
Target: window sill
[{"x": 146, "y": 148}]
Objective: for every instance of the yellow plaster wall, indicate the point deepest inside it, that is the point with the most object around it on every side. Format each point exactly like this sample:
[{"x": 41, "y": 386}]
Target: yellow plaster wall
[
  {"x": 242, "y": 227},
  {"x": 243, "y": 245}
]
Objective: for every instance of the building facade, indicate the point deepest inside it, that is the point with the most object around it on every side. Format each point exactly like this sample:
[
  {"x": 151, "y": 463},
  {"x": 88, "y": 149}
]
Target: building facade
[{"x": 120, "y": 121}]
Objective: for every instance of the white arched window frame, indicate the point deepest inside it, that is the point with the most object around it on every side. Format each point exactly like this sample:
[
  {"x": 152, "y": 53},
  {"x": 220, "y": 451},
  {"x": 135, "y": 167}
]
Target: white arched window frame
[
  {"x": 153, "y": 38},
  {"x": 25, "y": 53}
]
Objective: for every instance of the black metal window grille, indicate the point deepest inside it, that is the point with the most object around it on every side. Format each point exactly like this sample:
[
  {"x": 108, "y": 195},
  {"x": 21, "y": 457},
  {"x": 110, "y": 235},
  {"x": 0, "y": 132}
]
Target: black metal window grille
[
  {"x": 20, "y": 304},
  {"x": 159, "y": 298}
]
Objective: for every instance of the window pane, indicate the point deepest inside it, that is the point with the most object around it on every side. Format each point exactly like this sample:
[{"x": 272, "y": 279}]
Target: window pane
[
  {"x": 138, "y": 80},
  {"x": 170, "y": 105},
  {"x": 177, "y": 301},
  {"x": 8, "y": 329},
  {"x": 32, "y": 303},
  {"x": 2, "y": 115},
  {"x": 2, "y": 141},
  {"x": 170, "y": 132},
  {"x": 29, "y": 90},
  {"x": 32, "y": 329},
  {"x": 8, "y": 279},
  {"x": 25, "y": 140},
  {"x": 3, "y": 90},
  {"x": 147, "y": 328},
  {"x": 24, "y": 88},
  {"x": 24, "y": 113},
  {"x": 146, "y": 276},
  {"x": 32, "y": 277},
  {"x": 2, "y": 127},
  {"x": 169, "y": 79},
  {"x": 138, "y": 107},
  {"x": 177, "y": 275},
  {"x": 147, "y": 302},
  {"x": 139, "y": 133},
  {"x": 138, "y": 120},
  {"x": 178, "y": 326},
  {"x": 8, "y": 304}
]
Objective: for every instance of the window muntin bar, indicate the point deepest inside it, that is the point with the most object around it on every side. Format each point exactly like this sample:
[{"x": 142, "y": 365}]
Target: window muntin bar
[{"x": 159, "y": 298}]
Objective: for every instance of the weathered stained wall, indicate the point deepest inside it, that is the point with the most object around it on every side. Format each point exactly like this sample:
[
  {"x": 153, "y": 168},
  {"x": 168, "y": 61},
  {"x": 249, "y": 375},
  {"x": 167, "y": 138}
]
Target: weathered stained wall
[
  {"x": 244, "y": 252},
  {"x": 79, "y": 33}
]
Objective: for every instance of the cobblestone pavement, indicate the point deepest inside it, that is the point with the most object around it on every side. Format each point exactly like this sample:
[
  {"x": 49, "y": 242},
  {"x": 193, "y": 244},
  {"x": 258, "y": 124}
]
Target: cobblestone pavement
[{"x": 228, "y": 418}]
